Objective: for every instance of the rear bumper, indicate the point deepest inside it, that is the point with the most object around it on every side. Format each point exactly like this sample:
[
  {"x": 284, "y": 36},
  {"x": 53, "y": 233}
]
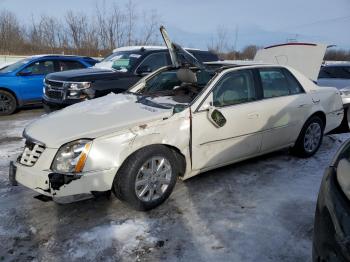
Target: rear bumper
[
  {"x": 61, "y": 185},
  {"x": 332, "y": 222}
]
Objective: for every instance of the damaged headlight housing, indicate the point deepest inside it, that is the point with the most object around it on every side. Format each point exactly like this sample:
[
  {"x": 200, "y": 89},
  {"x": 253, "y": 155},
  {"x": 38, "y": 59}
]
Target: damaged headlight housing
[{"x": 71, "y": 157}]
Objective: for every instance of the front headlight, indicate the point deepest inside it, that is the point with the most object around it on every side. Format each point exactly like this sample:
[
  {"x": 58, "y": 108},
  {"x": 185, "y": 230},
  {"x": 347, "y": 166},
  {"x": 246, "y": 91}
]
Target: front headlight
[
  {"x": 78, "y": 85},
  {"x": 343, "y": 176},
  {"x": 71, "y": 157}
]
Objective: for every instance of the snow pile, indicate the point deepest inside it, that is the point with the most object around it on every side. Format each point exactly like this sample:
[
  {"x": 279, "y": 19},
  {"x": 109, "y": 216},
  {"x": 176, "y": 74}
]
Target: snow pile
[{"x": 123, "y": 238}]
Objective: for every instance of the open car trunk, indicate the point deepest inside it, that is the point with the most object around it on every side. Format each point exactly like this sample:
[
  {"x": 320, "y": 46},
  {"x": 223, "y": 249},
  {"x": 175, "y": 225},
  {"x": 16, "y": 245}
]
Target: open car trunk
[{"x": 307, "y": 58}]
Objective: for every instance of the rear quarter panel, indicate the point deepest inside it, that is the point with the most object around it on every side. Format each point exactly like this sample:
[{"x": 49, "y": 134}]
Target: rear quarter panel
[{"x": 330, "y": 101}]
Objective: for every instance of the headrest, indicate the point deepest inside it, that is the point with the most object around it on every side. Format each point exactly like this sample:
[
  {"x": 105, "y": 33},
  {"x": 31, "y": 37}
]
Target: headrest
[{"x": 186, "y": 75}]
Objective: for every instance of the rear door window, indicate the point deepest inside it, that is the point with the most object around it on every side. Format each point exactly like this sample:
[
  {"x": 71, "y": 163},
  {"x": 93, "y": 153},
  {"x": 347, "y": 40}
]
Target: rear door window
[
  {"x": 64, "y": 65},
  {"x": 278, "y": 82},
  {"x": 154, "y": 61}
]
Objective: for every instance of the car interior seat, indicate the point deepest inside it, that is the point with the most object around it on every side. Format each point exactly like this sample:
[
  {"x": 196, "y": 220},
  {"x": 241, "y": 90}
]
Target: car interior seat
[{"x": 232, "y": 91}]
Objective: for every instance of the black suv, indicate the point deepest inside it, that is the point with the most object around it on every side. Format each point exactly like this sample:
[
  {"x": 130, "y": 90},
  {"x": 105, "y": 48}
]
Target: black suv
[{"x": 116, "y": 73}]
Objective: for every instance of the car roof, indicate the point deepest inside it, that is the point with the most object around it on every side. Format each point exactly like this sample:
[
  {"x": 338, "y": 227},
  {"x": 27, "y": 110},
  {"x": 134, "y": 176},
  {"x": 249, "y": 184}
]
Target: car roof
[
  {"x": 148, "y": 48},
  {"x": 58, "y": 56}
]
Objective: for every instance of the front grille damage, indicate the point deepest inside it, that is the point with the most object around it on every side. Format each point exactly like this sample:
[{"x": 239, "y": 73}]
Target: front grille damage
[
  {"x": 57, "y": 180},
  {"x": 31, "y": 153}
]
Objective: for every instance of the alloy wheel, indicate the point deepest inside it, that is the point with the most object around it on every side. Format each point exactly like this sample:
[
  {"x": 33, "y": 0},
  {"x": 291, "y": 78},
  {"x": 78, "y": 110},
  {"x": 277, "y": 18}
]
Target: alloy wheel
[
  {"x": 312, "y": 137},
  {"x": 5, "y": 103},
  {"x": 153, "y": 179}
]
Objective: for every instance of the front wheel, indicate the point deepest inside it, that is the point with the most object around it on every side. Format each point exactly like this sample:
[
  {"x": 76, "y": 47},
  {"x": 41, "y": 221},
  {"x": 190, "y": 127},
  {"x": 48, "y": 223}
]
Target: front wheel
[
  {"x": 310, "y": 138},
  {"x": 147, "y": 177},
  {"x": 8, "y": 103}
]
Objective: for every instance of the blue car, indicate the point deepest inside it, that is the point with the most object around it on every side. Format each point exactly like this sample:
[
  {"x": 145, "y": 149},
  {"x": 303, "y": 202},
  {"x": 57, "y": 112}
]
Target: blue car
[{"x": 21, "y": 83}]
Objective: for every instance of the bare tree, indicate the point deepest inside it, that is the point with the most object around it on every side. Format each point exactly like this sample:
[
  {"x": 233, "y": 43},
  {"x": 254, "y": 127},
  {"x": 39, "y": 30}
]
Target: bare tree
[
  {"x": 219, "y": 43},
  {"x": 150, "y": 28},
  {"x": 249, "y": 52},
  {"x": 130, "y": 21},
  {"x": 10, "y": 32},
  {"x": 110, "y": 26}
]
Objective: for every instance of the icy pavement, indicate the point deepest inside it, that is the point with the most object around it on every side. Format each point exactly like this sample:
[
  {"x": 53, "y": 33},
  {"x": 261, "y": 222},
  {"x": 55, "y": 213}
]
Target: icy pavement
[{"x": 258, "y": 210}]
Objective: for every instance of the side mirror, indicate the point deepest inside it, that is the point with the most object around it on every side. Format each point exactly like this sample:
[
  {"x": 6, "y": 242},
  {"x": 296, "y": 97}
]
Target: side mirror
[
  {"x": 143, "y": 70},
  {"x": 25, "y": 72},
  {"x": 216, "y": 117}
]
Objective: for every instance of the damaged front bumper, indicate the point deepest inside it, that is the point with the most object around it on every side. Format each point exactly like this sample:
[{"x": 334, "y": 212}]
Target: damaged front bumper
[{"x": 61, "y": 186}]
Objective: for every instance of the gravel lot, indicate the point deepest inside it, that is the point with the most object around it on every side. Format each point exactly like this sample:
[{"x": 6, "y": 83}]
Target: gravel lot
[{"x": 257, "y": 210}]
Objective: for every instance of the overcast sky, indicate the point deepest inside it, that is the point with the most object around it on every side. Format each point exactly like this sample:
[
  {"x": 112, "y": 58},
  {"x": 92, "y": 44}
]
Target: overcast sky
[{"x": 194, "y": 23}]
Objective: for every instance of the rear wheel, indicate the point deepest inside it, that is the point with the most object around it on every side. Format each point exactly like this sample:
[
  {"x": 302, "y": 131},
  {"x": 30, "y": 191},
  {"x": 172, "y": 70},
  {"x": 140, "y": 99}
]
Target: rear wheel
[
  {"x": 8, "y": 103},
  {"x": 147, "y": 177},
  {"x": 310, "y": 138}
]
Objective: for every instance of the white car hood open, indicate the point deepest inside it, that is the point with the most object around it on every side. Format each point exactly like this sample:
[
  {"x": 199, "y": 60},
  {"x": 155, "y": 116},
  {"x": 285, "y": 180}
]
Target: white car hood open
[
  {"x": 93, "y": 118},
  {"x": 304, "y": 57}
]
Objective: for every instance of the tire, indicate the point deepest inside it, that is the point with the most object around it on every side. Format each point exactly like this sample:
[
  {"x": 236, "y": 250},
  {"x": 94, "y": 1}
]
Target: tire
[
  {"x": 8, "y": 103},
  {"x": 310, "y": 138},
  {"x": 47, "y": 109},
  {"x": 150, "y": 191}
]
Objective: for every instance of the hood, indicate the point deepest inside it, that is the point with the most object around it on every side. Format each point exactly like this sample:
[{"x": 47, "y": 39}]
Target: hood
[
  {"x": 179, "y": 55},
  {"x": 307, "y": 58},
  {"x": 93, "y": 118},
  {"x": 86, "y": 74}
]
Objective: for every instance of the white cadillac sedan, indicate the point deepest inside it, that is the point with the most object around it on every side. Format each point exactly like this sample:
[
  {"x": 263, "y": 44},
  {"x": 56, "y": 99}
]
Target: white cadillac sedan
[{"x": 177, "y": 122}]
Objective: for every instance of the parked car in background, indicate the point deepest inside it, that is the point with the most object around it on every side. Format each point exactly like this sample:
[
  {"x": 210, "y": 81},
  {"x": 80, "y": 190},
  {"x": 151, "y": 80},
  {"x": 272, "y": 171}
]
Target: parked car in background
[
  {"x": 331, "y": 237},
  {"x": 21, "y": 83},
  {"x": 338, "y": 75},
  {"x": 116, "y": 73},
  {"x": 179, "y": 121}
]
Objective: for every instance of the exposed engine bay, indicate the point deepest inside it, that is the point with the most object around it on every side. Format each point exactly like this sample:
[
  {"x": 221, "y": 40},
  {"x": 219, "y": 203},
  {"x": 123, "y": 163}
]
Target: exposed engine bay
[{"x": 181, "y": 85}]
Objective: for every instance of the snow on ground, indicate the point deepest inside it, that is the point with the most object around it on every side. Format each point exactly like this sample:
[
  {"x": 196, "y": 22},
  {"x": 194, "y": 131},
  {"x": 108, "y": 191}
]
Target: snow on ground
[
  {"x": 124, "y": 237},
  {"x": 258, "y": 210}
]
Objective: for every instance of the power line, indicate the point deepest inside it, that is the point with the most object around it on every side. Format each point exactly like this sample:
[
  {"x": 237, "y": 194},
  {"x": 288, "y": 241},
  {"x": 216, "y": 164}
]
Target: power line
[{"x": 318, "y": 22}]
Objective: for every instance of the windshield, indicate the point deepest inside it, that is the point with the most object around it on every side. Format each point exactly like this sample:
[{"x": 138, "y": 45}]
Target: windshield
[
  {"x": 121, "y": 60},
  {"x": 15, "y": 66},
  {"x": 174, "y": 87}
]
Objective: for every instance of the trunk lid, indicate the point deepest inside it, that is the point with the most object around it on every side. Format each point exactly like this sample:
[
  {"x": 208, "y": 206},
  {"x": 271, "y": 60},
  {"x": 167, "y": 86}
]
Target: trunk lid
[{"x": 307, "y": 58}]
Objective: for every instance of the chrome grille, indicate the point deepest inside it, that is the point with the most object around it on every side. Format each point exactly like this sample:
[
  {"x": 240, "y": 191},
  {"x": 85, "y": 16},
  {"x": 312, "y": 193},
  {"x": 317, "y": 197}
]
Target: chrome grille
[
  {"x": 53, "y": 93},
  {"x": 31, "y": 153},
  {"x": 53, "y": 83}
]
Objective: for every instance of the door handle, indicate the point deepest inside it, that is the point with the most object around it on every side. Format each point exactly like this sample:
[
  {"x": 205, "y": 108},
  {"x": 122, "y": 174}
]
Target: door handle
[{"x": 253, "y": 115}]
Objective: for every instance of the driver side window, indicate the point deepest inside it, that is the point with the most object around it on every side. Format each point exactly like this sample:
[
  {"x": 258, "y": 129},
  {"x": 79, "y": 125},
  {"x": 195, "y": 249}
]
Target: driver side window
[
  {"x": 235, "y": 88},
  {"x": 41, "y": 68},
  {"x": 154, "y": 61}
]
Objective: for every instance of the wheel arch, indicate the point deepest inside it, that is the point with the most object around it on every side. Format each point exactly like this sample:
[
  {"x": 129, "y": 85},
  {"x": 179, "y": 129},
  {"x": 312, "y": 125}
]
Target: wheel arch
[
  {"x": 180, "y": 157},
  {"x": 321, "y": 115}
]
